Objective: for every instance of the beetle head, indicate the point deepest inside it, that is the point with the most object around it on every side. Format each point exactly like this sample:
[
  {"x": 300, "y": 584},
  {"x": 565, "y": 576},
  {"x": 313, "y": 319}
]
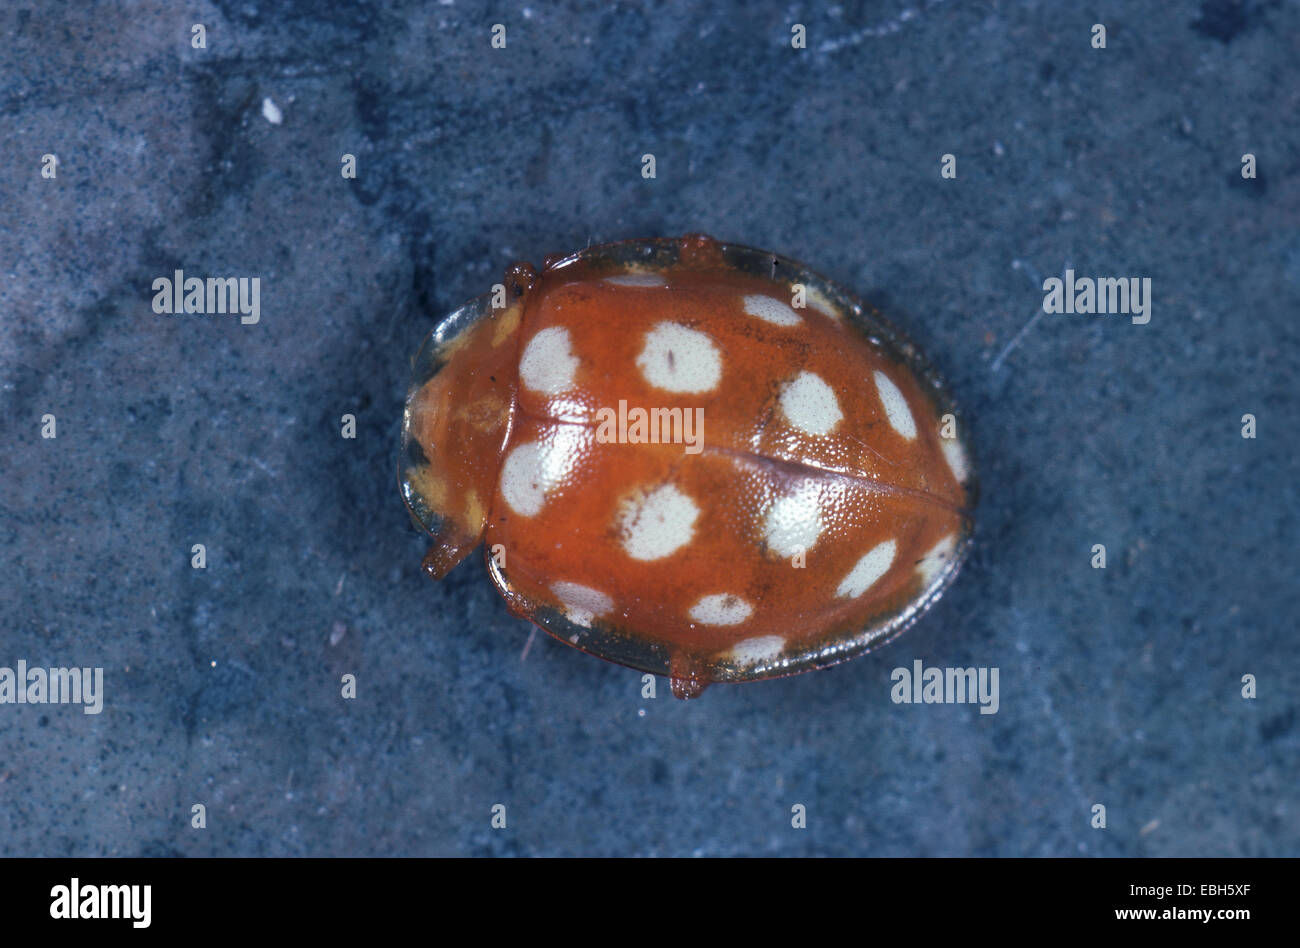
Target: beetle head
[{"x": 457, "y": 420}]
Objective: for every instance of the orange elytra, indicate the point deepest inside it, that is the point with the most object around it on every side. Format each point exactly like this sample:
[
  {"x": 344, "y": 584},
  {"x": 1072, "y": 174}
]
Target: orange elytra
[{"x": 693, "y": 458}]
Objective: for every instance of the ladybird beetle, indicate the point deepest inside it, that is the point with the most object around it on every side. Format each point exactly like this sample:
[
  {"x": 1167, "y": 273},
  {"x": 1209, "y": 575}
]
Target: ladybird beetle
[{"x": 693, "y": 458}]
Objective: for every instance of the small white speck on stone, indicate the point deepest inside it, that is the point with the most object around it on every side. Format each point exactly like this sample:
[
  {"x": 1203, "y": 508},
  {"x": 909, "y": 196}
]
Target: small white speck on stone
[
  {"x": 721, "y": 609},
  {"x": 679, "y": 359},
  {"x": 771, "y": 310},
  {"x": 750, "y": 652},
  {"x": 659, "y": 523},
  {"x": 582, "y": 604},
  {"x": 868, "y": 570},
  {"x": 271, "y": 112},
  {"x": 548, "y": 364},
  {"x": 896, "y": 410},
  {"x": 810, "y": 405}
]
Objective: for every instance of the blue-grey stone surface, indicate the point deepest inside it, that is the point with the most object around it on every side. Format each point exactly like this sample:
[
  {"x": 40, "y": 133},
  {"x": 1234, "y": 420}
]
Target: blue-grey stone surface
[{"x": 1120, "y": 687}]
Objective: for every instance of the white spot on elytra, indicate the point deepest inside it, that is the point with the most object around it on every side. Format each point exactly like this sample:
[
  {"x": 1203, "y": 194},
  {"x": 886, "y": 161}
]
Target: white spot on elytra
[
  {"x": 658, "y": 523},
  {"x": 814, "y": 298},
  {"x": 271, "y": 112},
  {"x": 755, "y": 651},
  {"x": 794, "y": 522},
  {"x": 548, "y": 363},
  {"x": 637, "y": 279},
  {"x": 521, "y": 482},
  {"x": 810, "y": 405},
  {"x": 678, "y": 359},
  {"x": 956, "y": 458},
  {"x": 582, "y": 604},
  {"x": 934, "y": 562},
  {"x": 532, "y": 469},
  {"x": 771, "y": 310},
  {"x": 868, "y": 570},
  {"x": 896, "y": 410},
  {"x": 721, "y": 609}
]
